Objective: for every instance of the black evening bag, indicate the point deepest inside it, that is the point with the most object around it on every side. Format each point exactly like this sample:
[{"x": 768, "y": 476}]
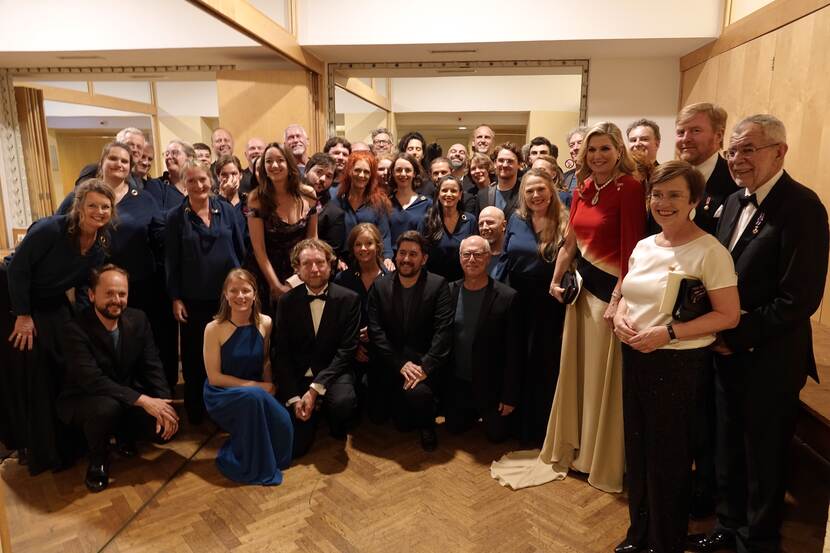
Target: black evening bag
[
  {"x": 692, "y": 300},
  {"x": 571, "y": 286}
]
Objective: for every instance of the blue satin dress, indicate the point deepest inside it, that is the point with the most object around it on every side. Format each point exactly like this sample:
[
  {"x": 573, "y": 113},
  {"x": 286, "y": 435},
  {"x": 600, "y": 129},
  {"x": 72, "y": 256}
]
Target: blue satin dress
[{"x": 261, "y": 434}]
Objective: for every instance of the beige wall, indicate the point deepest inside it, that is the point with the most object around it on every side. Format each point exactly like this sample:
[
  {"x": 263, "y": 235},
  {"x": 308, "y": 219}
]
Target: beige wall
[
  {"x": 783, "y": 73},
  {"x": 188, "y": 128},
  {"x": 359, "y": 126},
  {"x": 553, "y": 125},
  {"x": 263, "y": 103}
]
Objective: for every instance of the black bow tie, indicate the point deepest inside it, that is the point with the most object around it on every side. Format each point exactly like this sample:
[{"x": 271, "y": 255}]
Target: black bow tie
[
  {"x": 321, "y": 297},
  {"x": 751, "y": 199}
]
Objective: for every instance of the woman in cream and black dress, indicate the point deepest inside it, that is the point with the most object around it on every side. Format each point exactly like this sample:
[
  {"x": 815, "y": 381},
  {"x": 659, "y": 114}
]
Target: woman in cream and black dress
[
  {"x": 239, "y": 391},
  {"x": 585, "y": 429}
]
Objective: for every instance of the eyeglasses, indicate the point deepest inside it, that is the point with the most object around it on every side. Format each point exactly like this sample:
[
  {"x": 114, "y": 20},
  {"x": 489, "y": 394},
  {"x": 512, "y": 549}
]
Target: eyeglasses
[
  {"x": 478, "y": 256},
  {"x": 745, "y": 151},
  {"x": 671, "y": 196},
  {"x": 381, "y": 142}
]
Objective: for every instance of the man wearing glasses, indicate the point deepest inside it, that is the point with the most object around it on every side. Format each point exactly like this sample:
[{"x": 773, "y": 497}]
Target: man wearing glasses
[
  {"x": 483, "y": 377},
  {"x": 381, "y": 141}
]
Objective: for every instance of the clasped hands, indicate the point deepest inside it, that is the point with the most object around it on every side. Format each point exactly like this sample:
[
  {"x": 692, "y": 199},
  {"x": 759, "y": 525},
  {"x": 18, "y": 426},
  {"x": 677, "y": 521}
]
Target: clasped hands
[
  {"x": 646, "y": 340},
  {"x": 167, "y": 421},
  {"x": 412, "y": 375}
]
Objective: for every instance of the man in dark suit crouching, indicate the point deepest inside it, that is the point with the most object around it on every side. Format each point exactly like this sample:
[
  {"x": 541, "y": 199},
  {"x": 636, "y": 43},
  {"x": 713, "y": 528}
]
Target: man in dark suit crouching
[
  {"x": 778, "y": 234},
  {"x": 313, "y": 346},
  {"x": 484, "y": 378},
  {"x": 410, "y": 334},
  {"x": 114, "y": 383}
]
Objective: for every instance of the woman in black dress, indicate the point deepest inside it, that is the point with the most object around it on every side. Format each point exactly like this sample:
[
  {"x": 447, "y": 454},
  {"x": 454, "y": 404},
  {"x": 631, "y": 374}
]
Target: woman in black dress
[{"x": 445, "y": 226}]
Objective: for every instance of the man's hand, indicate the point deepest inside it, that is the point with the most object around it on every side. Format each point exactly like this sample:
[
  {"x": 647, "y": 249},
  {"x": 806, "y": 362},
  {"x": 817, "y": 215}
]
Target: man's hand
[
  {"x": 412, "y": 375},
  {"x": 304, "y": 408},
  {"x": 167, "y": 421},
  {"x": 179, "y": 311},
  {"x": 23, "y": 335},
  {"x": 505, "y": 409}
]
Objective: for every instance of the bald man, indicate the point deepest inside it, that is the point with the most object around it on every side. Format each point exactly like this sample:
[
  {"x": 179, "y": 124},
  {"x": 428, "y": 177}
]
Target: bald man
[{"x": 491, "y": 227}]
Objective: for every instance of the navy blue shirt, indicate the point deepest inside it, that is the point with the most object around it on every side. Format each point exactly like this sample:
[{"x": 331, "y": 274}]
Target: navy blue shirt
[
  {"x": 443, "y": 255},
  {"x": 167, "y": 196},
  {"x": 350, "y": 278},
  {"x": 47, "y": 263},
  {"x": 138, "y": 233},
  {"x": 520, "y": 254},
  {"x": 366, "y": 214},
  {"x": 198, "y": 257},
  {"x": 404, "y": 219}
]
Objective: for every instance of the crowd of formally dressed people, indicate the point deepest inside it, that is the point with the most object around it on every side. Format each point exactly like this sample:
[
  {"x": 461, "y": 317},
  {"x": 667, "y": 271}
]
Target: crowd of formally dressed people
[{"x": 644, "y": 323}]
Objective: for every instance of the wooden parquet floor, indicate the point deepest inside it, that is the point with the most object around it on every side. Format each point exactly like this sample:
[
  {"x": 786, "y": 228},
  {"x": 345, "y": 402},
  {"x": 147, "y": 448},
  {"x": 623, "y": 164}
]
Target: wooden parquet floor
[{"x": 376, "y": 493}]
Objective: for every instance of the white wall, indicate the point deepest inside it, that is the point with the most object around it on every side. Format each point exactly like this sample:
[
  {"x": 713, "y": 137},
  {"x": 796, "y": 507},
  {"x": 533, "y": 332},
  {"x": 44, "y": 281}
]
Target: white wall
[
  {"x": 508, "y": 93},
  {"x": 742, "y": 8},
  {"x": 198, "y": 98},
  {"x": 385, "y": 22},
  {"x": 56, "y": 25},
  {"x": 623, "y": 90}
]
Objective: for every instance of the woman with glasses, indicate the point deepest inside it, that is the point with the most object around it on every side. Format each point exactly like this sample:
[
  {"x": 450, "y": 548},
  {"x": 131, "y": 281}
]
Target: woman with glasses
[
  {"x": 664, "y": 358},
  {"x": 531, "y": 242}
]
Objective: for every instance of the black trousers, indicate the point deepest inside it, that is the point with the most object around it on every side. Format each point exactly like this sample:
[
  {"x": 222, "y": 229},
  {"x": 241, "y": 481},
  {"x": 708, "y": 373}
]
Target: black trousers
[
  {"x": 199, "y": 314},
  {"x": 462, "y": 413},
  {"x": 412, "y": 409},
  {"x": 704, "y": 482},
  {"x": 338, "y": 406},
  {"x": 150, "y": 296},
  {"x": 757, "y": 406},
  {"x": 101, "y": 417},
  {"x": 659, "y": 391}
]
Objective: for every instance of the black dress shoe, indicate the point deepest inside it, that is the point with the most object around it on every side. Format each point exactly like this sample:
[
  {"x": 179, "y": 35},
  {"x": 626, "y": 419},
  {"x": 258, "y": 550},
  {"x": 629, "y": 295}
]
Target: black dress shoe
[
  {"x": 97, "y": 476},
  {"x": 715, "y": 541},
  {"x": 626, "y": 547},
  {"x": 429, "y": 440}
]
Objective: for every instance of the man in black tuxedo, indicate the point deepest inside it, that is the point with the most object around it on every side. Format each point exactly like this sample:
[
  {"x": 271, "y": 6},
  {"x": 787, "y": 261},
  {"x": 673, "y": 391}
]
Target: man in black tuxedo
[
  {"x": 699, "y": 131},
  {"x": 331, "y": 220},
  {"x": 410, "y": 334},
  {"x": 114, "y": 382},
  {"x": 314, "y": 341},
  {"x": 483, "y": 380},
  {"x": 778, "y": 234},
  {"x": 504, "y": 193}
]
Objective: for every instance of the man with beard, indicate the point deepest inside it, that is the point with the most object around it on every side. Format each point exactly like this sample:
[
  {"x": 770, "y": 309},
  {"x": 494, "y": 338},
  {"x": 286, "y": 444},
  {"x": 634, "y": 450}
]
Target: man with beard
[
  {"x": 339, "y": 148},
  {"x": 114, "y": 383},
  {"x": 410, "y": 334},
  {"x": 296, "y": 142},
  {"x": 331, "y": 222},
  {"x": 504, "y": 194},
  {"x": 457, "y": 154},
  {"x": 253, "y": 149}
]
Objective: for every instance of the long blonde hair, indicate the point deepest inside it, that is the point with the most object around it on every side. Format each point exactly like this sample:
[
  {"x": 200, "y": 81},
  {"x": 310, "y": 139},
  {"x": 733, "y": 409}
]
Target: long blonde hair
[
  {"x": 625, "y": 163},
  {"x": 553, "y": 232},
  {"x": 224, "y": 313}
]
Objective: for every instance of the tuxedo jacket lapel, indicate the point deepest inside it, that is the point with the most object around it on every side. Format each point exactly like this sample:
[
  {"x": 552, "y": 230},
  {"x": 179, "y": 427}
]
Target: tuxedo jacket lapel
[{"x": 768, "y": 208}]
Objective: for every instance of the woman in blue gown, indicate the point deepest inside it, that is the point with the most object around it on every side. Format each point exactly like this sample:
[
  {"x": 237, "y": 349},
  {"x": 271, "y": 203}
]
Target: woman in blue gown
[{"x": 239, "y": 391}]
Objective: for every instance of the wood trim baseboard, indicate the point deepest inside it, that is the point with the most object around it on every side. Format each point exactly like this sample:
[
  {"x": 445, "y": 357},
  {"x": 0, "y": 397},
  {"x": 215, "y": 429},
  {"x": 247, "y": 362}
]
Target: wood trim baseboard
[{"x": 767, "y": 19}]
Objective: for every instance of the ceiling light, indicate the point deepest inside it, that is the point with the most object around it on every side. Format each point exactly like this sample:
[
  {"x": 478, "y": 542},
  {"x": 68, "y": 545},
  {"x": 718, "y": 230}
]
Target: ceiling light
[{"x": 462, "y": 128}]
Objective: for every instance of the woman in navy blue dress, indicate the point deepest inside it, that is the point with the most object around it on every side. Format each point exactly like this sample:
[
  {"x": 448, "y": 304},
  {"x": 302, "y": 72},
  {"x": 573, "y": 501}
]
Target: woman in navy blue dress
[
  {"x": 365, "y": 247},
  {"x": 239, "y": 391},
  {"x": 203, "y": 242},
  {"x": 362, "y": 201},
  {"x": 445, "y": 226},
  {"x": 409, "y": 206},
  {"x": 531, "y": 242},
  {"x": 56, "y": 255}
]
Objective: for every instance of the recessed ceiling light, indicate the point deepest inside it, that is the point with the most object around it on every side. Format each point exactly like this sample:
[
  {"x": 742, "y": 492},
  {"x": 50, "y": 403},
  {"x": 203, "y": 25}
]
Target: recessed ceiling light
[{"x": 462, "y": 128}]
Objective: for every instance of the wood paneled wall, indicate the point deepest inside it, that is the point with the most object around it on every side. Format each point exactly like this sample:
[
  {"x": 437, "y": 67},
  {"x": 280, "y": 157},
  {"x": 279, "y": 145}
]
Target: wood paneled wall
[
  {"x": 263, "y": 103},
  {"x": 786, "y": 73}
]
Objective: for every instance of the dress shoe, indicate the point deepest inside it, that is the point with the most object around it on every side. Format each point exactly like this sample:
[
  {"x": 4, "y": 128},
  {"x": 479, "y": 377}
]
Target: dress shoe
[
  {"x": 702, "y": 506},
  {"x": 97, "y": 476},
  {"x": 626, "y": 547},
  {"x": 429, "y": 440},
  {"x": 126, "y": 448},
  {"x": 715, "y": 541}
]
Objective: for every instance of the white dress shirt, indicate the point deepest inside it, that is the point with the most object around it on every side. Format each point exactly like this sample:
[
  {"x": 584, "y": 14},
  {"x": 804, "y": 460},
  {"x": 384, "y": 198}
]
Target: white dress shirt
[{"x": 749, "y": 210}]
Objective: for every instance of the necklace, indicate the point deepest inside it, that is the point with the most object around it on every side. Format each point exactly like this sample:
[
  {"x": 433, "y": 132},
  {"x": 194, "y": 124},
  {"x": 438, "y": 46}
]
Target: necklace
[{"x": 595, "y": 199}]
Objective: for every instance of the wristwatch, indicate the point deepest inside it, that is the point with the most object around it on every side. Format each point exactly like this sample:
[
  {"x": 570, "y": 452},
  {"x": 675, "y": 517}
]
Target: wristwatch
[{"x": 672, "y": 336}]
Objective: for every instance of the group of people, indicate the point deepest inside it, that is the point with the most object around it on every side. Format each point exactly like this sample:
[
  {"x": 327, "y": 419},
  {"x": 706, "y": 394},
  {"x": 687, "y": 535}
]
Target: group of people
[{"x": 487, "y": 286}]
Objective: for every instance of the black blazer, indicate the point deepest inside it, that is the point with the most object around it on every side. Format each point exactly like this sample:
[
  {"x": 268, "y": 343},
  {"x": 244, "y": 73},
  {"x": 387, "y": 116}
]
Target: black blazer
[
  {"x": 719, "y": 187},
  {"x": 95, "y": 368},
  {"x": 331, "y": 226},
  {"x": 487, "y": 197},
  {"x": 497, "y": 345},
  {"x": 425, "y": 337},
  {"x": 781, "y": 261},
  {"x": 295, "y": 348}
]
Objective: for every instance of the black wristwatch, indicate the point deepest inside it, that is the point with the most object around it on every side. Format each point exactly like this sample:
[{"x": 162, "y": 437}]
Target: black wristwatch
[{"x": 672, "y": 336}]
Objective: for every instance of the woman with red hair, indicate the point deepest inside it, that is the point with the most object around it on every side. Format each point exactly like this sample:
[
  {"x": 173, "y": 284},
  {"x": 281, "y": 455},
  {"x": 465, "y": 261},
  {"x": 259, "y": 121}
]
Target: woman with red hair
[{"x": 362, "y": 200}]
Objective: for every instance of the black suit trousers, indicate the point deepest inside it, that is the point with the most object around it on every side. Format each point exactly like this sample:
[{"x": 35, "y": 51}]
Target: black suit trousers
[
  {"x": 461, "y": 412},
  {"x": 338, "y": 406},
  {"x": 659, "y": 391},
  {"x": 150, "y": 296},
  {"x": 757, "y": 411},
  {"x": 101, "y": 417}
]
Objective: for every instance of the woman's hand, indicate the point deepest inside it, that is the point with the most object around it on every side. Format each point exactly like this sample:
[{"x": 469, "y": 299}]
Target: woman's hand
[
  {"x": 556, "y": 291},
  {"x": 268, "y": 387},
  {"x": 23, "y": 335},
  {"x": 610, "y": 311},
  {"x": 229, "y": 186},
  {"x": 279, "y": 289},
  {"x": 623, "y": 328},
  {"x": 389, "y": 264},
  {"x": 341, "y": 265},
  {"x": 179, "y": 311},
  {"x": 650, "y": 339}
]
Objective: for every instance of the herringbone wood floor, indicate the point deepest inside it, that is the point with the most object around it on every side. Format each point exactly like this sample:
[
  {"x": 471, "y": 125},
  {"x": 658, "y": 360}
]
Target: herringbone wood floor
[{"x": 377, "y": 493}]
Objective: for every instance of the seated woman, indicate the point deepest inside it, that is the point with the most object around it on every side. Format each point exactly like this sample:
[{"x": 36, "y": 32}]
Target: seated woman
[
  {"x": 445, "y": 226},
  {"x": 239, "y": 392}
]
